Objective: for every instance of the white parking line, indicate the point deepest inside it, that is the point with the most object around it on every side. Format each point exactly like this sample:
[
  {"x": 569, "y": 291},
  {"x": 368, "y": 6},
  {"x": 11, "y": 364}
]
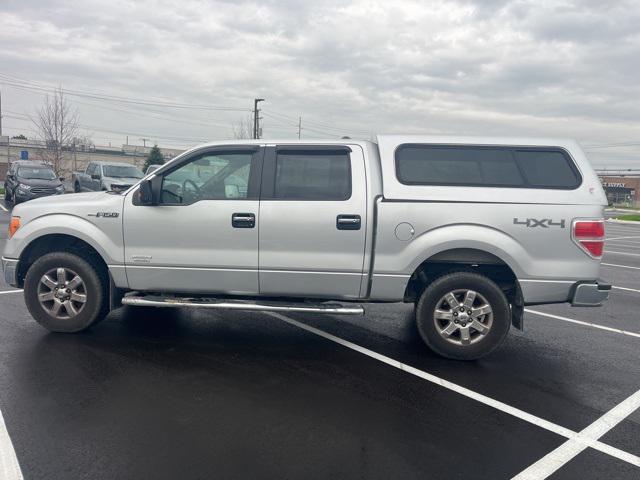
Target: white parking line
[
  {"x": 623, "y": 244},
  {"x": 623, "y": 253},
  {"x": 580, "y": 322},
  {"x": 626, "y": 289},
  {"x": 551, "y": 462},
  {"x": 498, "y": 405},
  {"x": 9, "y": 466},
  {"x": 619, "y": 238},
  {"x": 10, "y": 291},
  {"x": 619, "y": 266},
  {"x": 3, "y": 207}
]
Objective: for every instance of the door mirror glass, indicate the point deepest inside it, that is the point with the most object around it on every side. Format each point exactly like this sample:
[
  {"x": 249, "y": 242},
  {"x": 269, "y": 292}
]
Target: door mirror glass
[
  {"x": 95, "y": 176},
  {"x": 145, "y": 193},
  {"x": 61, "y": 179}
]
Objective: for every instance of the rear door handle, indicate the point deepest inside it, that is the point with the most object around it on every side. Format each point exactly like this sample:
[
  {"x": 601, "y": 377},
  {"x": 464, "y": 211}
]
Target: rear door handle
[
  {"x": 243, "y": 220},
  {"x": 348, "y": 222}
]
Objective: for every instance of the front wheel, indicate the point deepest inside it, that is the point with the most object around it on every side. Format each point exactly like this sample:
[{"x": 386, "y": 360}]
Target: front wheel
[
  {"x": 65, "y": 292},
  {"x": 463, "y": 316}
]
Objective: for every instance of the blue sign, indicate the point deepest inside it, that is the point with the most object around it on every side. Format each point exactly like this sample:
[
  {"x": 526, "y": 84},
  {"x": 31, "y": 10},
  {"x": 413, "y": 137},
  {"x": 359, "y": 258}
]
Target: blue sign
[{"x": 24, "y": 154}]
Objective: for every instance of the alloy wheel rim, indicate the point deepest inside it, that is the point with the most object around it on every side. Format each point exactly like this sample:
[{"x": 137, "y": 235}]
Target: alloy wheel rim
[
  {"x": 62, "y": 293},
  {"x": 463, "y": 317}
]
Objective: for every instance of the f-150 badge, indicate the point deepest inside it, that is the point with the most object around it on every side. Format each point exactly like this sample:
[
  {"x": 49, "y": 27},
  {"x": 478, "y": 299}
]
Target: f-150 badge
[
  {"x": 104, "y": 214},
  {"x": 534, "y": 222}
]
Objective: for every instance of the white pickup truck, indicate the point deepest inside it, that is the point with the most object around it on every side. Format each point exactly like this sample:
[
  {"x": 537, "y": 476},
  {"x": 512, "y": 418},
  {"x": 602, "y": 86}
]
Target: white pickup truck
[
  {"x": 106, "y": 176},
  {"x": 469, "y": 229}
]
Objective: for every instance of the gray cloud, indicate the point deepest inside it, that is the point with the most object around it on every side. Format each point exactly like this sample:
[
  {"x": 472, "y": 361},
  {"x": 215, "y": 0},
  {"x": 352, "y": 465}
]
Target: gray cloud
[{"x": 560, "y": 68}]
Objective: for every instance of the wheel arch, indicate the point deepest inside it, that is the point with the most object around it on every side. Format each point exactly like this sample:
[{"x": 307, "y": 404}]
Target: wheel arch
[
  {"x": 57, "y": 242},
  {"x": 471, "y": 260}
]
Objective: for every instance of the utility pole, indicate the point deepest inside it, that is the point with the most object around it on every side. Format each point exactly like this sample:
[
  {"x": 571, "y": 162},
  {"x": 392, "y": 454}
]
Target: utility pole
[
  {"x": 1, "y": 117},
  {"x": 299, "y": 126},
  {"x": 144, "y": 142},
  {"x": 256, "y": 118}
]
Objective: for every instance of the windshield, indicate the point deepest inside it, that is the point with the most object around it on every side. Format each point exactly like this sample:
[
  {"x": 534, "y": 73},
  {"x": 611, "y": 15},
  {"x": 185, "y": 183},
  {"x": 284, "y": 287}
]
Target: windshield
[
  {"x": 39, "y": 173},
  {"x": 122, "y": 171}
]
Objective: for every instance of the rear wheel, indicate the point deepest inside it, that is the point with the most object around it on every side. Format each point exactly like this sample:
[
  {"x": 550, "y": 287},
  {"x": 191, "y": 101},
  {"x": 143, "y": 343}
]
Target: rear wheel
[
  {"x": 7, "y": 196},
  {"x": 65, "y": 292},
  {"x": 76, "y": 187},
  {"x": 463, "y": 316},
  {"x": 14, "y": 199}
]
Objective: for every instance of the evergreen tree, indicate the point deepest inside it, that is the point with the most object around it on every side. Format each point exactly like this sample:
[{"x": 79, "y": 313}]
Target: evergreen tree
[{"x": 154, "y": 158}]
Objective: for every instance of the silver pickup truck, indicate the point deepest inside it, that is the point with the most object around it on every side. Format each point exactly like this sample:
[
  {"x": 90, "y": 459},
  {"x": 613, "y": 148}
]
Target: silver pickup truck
[
  {"x": 470, "y": 230},
  {"x": 107, "y": 176}
]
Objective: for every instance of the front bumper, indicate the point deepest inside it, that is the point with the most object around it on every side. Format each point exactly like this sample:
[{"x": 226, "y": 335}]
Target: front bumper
[
  {"x": 10, "y": 269},
  {"x": 590, "y": 294}
]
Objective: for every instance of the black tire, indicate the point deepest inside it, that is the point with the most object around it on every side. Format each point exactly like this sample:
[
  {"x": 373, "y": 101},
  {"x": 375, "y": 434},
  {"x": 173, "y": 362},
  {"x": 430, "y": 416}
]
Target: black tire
[
  {"x": 95, "y": 286},
  {"x": 7, "y": 197},
  {"x": 484, "y": 343},
  {"x": 14, "y": 199}
]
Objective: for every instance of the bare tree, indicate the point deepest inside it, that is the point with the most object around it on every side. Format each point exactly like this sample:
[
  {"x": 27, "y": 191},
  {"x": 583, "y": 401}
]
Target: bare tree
[
  {"x": 243, "y": 128},
  {"x": 57, "y": 124}
]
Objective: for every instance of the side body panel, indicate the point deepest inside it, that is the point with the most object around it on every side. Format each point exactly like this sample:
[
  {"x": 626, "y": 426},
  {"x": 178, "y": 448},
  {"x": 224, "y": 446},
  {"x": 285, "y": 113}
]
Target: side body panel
[
  {"x": 529, "y": 229},
  {"x": 195, "y": 247},
  {"x": 545, "y": 260},
  {"x": 79, "y": 220},
  {"x": 303, "y": 253},
  {"x": 191, "y": 248}
]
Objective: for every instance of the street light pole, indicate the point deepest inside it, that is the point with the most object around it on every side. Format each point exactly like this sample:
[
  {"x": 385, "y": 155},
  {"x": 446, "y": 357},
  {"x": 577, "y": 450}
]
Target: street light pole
[{"x": 256, "y": 120}]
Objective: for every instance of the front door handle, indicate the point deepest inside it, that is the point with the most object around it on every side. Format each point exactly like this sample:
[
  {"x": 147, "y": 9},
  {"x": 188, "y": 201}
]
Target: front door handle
[
  {"x": 243, "y": 220},
  {"x": 348, "y": 222}
]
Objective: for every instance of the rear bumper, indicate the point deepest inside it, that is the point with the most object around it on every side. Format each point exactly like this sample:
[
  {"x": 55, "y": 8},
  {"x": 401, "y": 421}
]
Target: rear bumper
[
  {"x": 10, "y": 271},
  {"x": 590, "y": 294}
]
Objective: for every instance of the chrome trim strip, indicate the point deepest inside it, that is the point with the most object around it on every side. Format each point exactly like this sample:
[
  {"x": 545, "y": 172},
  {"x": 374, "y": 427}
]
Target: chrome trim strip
[{"x": 546, "y": 281}]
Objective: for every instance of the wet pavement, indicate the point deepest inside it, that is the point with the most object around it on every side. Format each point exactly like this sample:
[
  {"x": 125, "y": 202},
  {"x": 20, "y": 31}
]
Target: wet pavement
[{"x": 182, "y": 394}]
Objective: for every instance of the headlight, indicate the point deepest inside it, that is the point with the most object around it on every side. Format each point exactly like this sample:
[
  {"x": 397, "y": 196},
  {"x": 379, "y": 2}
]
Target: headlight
[{"x": 24, "y": 187}]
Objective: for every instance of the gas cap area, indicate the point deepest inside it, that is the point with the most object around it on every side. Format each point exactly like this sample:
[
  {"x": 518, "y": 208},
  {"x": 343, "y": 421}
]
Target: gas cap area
[{"x": 405, "y": 231}]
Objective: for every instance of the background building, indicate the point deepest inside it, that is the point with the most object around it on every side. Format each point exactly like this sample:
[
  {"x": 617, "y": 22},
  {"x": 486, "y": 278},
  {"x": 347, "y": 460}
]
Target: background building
[
  {"x": 622, "y": 190},
  {"x": 77, "y": 157}
]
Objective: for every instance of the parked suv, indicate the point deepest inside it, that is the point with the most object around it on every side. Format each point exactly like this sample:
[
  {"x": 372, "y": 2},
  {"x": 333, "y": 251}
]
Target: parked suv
[
  {"x": 470, "y": 230},
  {"x": 27, "y": 180}
]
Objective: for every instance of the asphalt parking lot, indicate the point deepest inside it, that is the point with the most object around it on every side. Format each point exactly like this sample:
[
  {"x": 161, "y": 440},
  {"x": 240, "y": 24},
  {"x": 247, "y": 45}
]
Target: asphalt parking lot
[{"x": 181, "y": 394}]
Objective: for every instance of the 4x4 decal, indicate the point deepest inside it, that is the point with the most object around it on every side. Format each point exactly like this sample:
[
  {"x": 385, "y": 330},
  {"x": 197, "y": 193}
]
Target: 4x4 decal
[{"x": 534, "y": 222}]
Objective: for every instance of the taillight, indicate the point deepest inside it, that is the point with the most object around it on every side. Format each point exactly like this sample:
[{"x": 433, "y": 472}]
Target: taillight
[
  {"x": 14, "y": 225},
  {"x": 589, "y": 235}
]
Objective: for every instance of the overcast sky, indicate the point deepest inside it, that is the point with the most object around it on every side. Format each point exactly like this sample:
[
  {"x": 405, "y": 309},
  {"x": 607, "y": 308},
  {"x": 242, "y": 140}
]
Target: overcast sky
[{"x": 567, "y": 69}]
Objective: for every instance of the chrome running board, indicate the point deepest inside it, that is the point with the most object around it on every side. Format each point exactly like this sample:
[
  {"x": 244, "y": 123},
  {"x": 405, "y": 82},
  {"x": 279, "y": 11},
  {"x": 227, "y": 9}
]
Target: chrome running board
[{"x": 141, "y": 300}]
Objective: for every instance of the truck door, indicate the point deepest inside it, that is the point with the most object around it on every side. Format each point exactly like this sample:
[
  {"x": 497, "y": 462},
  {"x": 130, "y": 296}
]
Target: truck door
[
  {"x": 202, "y": 236},
  {"x": 313, "y": 221}
]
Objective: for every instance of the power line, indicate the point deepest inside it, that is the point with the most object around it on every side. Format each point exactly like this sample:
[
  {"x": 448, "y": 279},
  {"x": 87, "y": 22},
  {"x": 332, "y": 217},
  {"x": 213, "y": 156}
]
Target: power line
[{"x": 32, "y": 86}]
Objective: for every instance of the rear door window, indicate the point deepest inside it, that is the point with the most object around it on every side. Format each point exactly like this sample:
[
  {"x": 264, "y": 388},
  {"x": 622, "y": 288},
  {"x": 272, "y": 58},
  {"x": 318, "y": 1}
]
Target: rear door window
[{"x": 310, "y": 174}]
